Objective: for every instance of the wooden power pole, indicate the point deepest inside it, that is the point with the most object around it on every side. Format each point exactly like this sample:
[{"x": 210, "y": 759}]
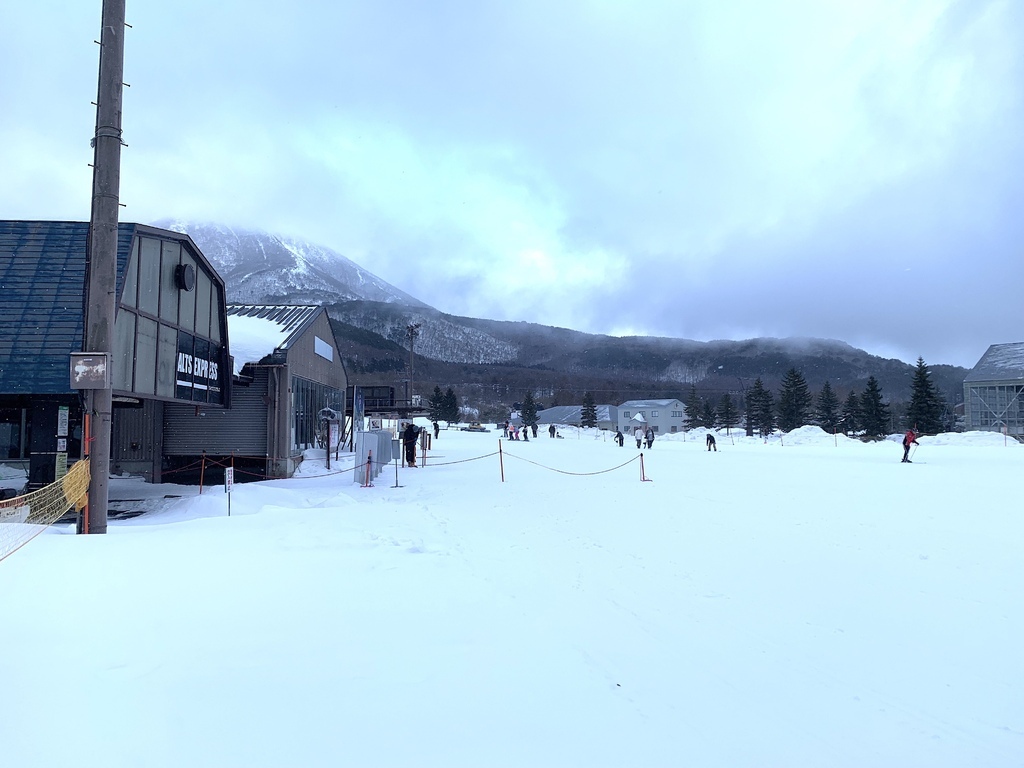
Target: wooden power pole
[{"x": 101, "y": 273}]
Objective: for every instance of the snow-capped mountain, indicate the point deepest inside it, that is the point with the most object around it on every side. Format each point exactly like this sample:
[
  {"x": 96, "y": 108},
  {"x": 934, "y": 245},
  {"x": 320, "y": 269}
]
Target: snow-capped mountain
[{"x": 262, "y": 268}]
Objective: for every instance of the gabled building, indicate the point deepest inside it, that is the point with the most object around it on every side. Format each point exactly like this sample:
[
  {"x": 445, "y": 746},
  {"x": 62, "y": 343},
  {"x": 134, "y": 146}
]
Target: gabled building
[
  {"x": 572, "y": 415},
  {"x": 288, "y": 377},
  {"x": 664, "y": 416},
  {"x": 170, "y": 342},
  {"x": 994, "y": 391}
]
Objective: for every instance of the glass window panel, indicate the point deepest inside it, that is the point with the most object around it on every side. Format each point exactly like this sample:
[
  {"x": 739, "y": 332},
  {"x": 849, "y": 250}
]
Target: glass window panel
[
  {"x": 124, "y": 351},
  {"x": 166, "y": 361},
  {"x": 168, "y": 285},
  {"x": 187, "y": 299},
  {"x": 200, "y": 387},
  {"x": 216, "y": 310},
  {"x": 10, "y": 433},
  {"x": 183, "y": 377},
  {"x": 131, "y": 277},
  {"x": 145, "y": 357},
  {"x": 149, "y": 275},
  {"x": 203, "y": 287}
]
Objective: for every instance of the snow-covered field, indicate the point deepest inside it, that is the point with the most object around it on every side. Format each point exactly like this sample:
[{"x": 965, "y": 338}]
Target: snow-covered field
[{"x": 809, "y": 602}]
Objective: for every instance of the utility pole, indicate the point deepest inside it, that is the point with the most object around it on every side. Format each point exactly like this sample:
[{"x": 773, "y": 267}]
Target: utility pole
[
  {"x": 412, "y": 331},
  {"x": 101, "y": 270}
]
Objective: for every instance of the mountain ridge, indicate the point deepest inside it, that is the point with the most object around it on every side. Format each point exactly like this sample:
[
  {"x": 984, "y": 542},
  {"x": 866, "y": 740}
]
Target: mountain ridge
[{"x": 262, "y": 268}]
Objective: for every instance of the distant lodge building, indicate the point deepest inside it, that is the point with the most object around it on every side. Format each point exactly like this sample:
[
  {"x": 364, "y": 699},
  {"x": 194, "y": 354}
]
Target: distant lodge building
[
  {"x": 994, "y": 390},
  {"x": 174, "y": 384},
  {"x": 288, "y": 378},
  {"x": 663, "y": 416}
]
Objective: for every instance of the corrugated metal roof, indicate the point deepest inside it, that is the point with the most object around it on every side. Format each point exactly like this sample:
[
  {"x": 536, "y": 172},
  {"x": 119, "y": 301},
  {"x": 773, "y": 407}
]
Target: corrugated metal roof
[
  {"x": 633, "y": 405},
  {"x": 42, "y": 286},
  {"x": 1002, "y": 362},
  {"x": 573, "y": 414},
  {"x": 257, "y": 330}
]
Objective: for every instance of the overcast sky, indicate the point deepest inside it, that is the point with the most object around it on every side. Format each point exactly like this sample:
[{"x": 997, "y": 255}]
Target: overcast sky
[{"x": 703, "y": 170}]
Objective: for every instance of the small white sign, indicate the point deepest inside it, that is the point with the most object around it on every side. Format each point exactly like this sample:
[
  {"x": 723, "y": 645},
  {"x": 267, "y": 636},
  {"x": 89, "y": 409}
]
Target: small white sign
[{"x": 229, "y": 479}]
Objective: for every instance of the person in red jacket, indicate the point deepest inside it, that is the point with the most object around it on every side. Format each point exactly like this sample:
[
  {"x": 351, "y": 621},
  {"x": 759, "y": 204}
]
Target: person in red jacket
[{"x": 909, "y": 439}]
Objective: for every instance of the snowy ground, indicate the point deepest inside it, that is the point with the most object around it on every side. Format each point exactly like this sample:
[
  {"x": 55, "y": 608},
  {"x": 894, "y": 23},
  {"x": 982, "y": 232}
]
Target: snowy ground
[{"x": 812, "y": 602}]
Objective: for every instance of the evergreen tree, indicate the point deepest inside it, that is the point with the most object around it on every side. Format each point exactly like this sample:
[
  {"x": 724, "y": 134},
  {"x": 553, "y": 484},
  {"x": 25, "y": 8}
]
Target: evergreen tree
[
  {"x": 450, "y": 407},
  {"x": 851, "y": 414},
  {"x": 435, "y": 405},
  {"x": 761, "y": 409},
  {"x": 529, "y": 410},
  {"x": 926, "y": 404},
  {"x": 694, "y": 409},
  {"x": 708, "y": 415},
  {"x": 794, "y": 401},
  {"x": 827, "y": 411},
  {"x": 874, "y": 414},
  {"x": 588, "y": 417},
  {"x": 728, "y": 416}
]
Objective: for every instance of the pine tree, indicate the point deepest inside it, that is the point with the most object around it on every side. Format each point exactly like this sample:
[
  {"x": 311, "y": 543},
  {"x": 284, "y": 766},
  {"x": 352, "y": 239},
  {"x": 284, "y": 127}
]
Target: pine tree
[
  {"x": 435, "y": 405},
  {"x": 827, "y": 411},
  {"x": 761, "y": 408},
  {"x": 708, "y": 415},
  {"x": 694, "y": 409},
  {"x": 851, "y": 414},
  {"x": 528, "y": 412},
  {"x": 450, "y": 408},
  {"x": 588, "y": 417},
  {"x": 926, "y": 404},
  {"x": 874, "y": 414},
  {"x": 728, "y": 416},
  {"x": 794, "y": 401}
]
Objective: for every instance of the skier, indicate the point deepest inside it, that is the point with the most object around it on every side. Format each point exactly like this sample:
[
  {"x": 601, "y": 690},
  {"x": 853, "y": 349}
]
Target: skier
[
  {"x": 908, "y": 439},
  {"x": 409, "y": 435},
  {"x": 711, "y": 443},
  {"x": 618, "y": 437}
]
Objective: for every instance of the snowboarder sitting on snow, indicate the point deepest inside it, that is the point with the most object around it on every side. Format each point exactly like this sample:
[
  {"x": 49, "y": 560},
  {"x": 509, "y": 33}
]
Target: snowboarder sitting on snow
[
  {"x": 711, "y": 443},
  {"x": 409, "y": 435},
  {"x": 909, "y": 439}
]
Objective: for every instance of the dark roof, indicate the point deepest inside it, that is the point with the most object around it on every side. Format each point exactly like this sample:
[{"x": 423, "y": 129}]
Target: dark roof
[
  {"x": 42, "y": 282},
  {"x": 1002, "y": 362}
]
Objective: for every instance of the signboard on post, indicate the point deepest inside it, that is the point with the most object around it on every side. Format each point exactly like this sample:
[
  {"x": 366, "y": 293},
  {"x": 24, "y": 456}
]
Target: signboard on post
[
  {"x": 229, "y": 481},
  {"x": 90, "y": 370}
]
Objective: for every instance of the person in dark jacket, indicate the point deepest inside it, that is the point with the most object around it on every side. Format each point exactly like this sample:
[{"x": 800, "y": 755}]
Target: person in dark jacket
[
  {"x": 909, "y": 439},
  {"x": 409, "y": 435},
  {"x": 649, "y": 437},
  {"x": 711, "y": 443},
  {"x": 551, "y": 431},
  {"x": 618, "y": 437}
]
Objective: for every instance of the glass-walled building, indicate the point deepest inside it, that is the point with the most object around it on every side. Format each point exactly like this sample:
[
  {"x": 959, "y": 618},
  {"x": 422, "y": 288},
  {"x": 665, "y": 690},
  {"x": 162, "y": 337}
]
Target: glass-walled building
[
  {"x": 994, "y": 391},
  {"x": 169, "y": 345}
]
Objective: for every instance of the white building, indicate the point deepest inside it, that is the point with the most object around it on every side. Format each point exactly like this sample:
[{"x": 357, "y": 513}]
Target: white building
[{"x": 665, "y": 416}]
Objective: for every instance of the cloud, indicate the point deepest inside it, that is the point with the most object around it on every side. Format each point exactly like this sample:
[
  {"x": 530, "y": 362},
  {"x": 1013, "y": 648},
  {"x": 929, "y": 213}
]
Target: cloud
[{"x": 700, "y": 169}]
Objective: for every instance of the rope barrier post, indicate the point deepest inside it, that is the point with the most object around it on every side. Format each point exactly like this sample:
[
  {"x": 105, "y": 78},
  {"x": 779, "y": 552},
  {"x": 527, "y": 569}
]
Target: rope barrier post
[
  {"x": 643, "y": 476},
  {"x": 369, "y": 470},
  {"x": 396, "y": 449},
  {"x": 501, "y": 461},
  {"x": 87, "y": 431},
  {"x": 202, "y": 474}
]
